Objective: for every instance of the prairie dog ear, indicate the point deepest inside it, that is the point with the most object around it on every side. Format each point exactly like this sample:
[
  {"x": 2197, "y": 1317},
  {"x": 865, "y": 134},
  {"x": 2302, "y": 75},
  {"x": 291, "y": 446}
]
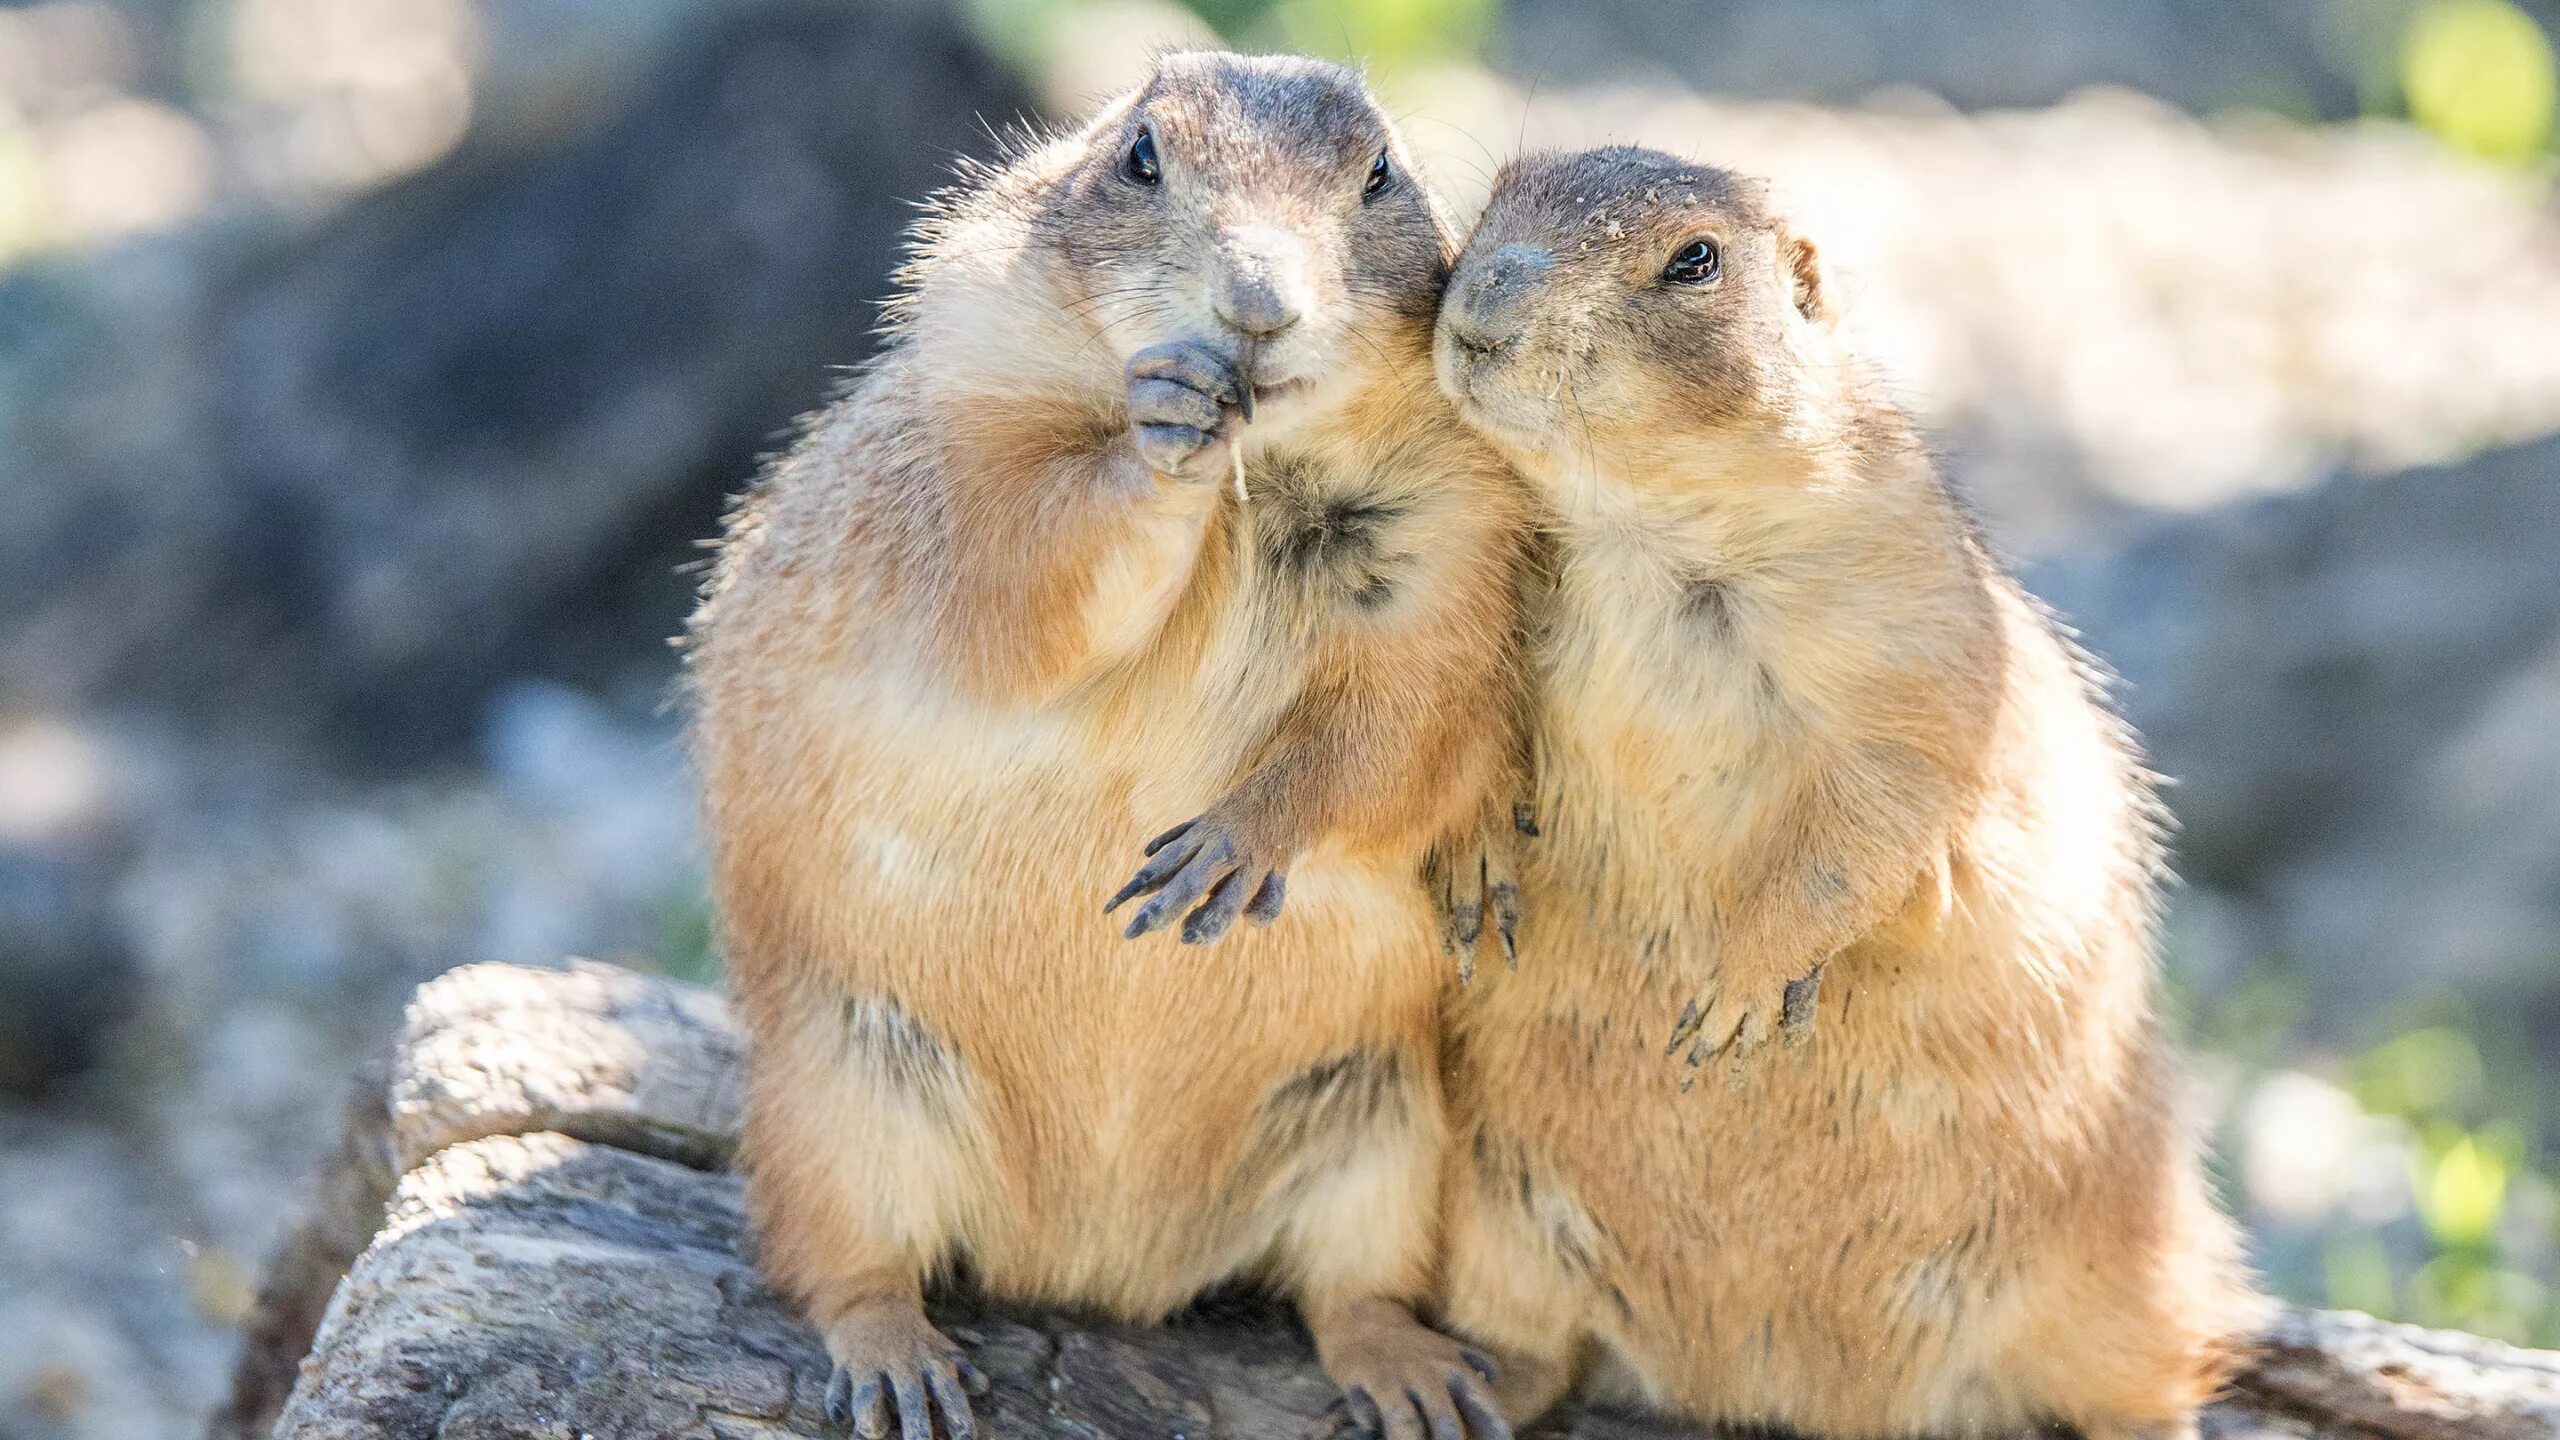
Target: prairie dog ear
[{"x": 1804, "y": 266}]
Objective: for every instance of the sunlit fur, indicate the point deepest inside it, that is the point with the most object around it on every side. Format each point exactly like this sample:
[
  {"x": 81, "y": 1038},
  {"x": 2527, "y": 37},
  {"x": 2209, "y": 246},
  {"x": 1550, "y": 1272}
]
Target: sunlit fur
[
  {"x": 963, "y": 653},
  {"x": 1791, "y": 713}
]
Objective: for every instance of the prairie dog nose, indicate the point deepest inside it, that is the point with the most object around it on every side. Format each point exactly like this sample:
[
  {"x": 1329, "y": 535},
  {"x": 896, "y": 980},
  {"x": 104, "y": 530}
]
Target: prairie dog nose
[
  {"x": 1485, "y": 309},
  {"x": 1262, "y": 291}
]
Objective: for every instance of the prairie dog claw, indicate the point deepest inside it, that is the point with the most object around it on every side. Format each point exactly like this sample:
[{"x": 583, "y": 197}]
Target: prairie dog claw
[
  {"x": 1207, "y": 868},
  {"x": 890, "y": 1359}
]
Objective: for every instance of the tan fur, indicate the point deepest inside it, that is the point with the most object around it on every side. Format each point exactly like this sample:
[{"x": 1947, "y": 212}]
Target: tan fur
[
  {"x": 965, "y": 651},
  {"x": 1793, "y": 720}
]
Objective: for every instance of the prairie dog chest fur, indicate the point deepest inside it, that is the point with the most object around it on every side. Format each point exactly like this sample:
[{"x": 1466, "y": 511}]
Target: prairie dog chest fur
[
  {"x": 1668, "y": 666},
  {"x": 1651, "y": 629}
]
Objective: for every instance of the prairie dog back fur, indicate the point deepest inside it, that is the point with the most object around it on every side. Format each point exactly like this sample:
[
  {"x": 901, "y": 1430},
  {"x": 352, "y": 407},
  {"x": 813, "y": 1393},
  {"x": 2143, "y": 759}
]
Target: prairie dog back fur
[
  {"x": 1812, "y": 769},
  {"x": 999, "y": 615}
]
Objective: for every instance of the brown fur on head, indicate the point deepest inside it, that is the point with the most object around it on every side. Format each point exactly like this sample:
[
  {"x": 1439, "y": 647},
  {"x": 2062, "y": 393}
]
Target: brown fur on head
[
  {"x": 1252, "y": 203},
  {"x": 1627, "y": 292}
]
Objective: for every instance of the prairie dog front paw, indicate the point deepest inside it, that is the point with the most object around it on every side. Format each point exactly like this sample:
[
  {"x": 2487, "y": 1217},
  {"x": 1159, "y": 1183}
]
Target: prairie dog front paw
[
  {"x": 1215, "y": 862},
  {"x": 1183, "y": 396}
]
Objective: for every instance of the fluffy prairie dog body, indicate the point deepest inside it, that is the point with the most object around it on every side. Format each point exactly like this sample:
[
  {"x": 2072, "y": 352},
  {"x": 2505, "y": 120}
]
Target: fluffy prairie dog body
[
  {"x": 1810, "y": 766},
  {"x": 1001, "y": 613}
]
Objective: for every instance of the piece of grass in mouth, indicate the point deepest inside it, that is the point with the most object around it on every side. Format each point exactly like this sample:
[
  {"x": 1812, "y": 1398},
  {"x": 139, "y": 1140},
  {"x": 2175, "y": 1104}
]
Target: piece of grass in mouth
[{"x": 1244, "y": 408}]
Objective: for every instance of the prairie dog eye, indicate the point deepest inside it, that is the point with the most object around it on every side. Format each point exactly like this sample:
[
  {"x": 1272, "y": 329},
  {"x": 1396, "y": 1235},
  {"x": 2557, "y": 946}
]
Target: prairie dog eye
[
  {"x": 1379, "y": 175},
  {"x": 1140, "y": 164},
  {"x": 1697, "y": 263}
]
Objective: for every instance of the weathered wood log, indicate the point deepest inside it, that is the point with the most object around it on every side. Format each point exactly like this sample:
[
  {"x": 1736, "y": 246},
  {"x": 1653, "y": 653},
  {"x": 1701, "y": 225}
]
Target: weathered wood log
[{"x": 556, "y": 1250}]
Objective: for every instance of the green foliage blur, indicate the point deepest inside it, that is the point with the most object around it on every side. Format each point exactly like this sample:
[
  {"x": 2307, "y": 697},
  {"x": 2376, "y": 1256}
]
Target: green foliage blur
[
  {"x": 2478, "y": 75},
  {"x": 2483, "y": 1186},
  {"x": 1384, "y": 35},
  {"x": 689, "y": 946},
  {"x": 2452, "y": 1211}
]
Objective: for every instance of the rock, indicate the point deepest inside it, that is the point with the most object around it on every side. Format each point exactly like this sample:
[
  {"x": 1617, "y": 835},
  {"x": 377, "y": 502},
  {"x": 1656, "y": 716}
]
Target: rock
[
  {"x": 104, "y": 1338},
  {"x": 2402, "y": 1381},
  {"x": 2356, "y": 689},
  {"x": 558, "y": 1254},
  {"x": 470, "y": 426},
  {"x": 67, "y": 970},
  {"x": 66, "y": 976},
  {"x": 2295, "y": 660},
  {"x": 278, "y": 923}
]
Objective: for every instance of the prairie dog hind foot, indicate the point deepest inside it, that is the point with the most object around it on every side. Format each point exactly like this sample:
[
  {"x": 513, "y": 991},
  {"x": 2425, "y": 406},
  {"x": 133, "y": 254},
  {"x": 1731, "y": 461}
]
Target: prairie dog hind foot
[
  {"x": 1474, "y": 884},
  {"x": 889, "y": 1357},
  {"x": 1403, "y": 1380},
  {"x": 1734, "y": 1022}
]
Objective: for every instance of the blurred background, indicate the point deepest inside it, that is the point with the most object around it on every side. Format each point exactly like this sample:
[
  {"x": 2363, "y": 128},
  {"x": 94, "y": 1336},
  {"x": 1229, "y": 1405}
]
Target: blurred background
[{"x": 370, "y": 368}]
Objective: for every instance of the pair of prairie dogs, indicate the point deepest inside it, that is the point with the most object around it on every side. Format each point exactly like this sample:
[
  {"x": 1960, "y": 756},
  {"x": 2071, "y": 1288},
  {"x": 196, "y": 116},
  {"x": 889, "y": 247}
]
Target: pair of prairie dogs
[{"x": 1200, "y": 484}]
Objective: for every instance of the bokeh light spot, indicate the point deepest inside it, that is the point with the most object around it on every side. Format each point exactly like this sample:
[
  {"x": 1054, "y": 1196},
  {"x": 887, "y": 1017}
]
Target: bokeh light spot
[{"x": 2478, "y": 75}]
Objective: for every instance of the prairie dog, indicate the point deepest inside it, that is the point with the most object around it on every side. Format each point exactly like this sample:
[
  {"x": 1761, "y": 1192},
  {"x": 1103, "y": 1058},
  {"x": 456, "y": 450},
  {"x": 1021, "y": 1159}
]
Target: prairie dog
[
  {"x": 1005, "y": 609},
  {"x": 1811, "y": 766}
]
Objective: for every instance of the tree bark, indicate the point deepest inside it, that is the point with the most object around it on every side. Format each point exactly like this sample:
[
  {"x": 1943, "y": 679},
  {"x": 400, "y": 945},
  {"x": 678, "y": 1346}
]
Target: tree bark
[{"x": 530, "y": 1232}]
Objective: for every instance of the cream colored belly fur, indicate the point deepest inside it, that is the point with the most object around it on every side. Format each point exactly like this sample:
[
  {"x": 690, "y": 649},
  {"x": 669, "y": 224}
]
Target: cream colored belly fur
[{"x": 1097, "y": 1118}]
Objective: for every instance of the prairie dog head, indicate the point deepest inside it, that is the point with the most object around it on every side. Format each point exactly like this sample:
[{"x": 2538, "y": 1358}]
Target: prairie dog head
[
  {"x": 1614, "y": 303},
  {"x": 1261, "y": 205}
]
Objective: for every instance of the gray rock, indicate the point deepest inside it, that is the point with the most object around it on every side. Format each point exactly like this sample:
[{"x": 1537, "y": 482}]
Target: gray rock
[
  {"x": 2294, "y": 661},
  {"x": 2357, "y": 692},
  {"x": 471, "y": 425},
  {"x": 67, "y": 974}
]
